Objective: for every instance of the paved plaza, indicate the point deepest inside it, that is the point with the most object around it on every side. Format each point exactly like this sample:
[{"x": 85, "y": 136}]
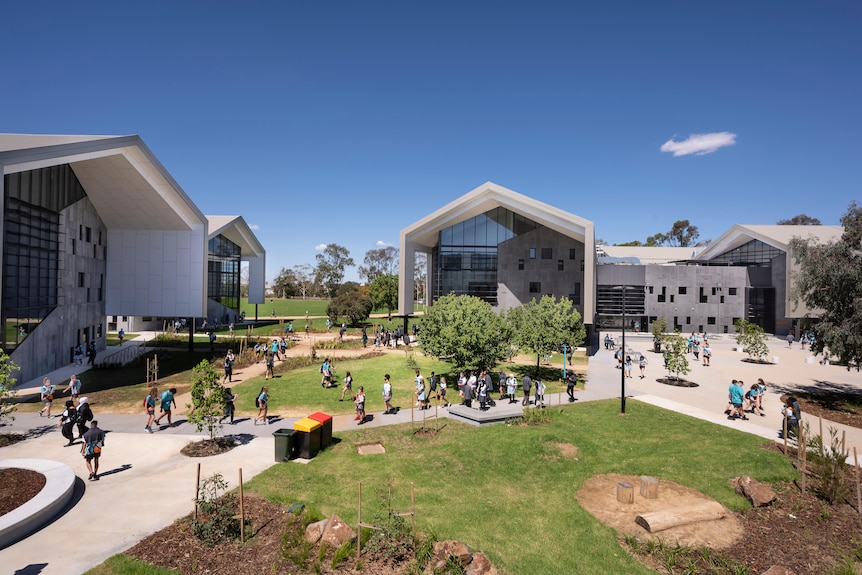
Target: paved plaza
[{"x": 147, "y": 483}]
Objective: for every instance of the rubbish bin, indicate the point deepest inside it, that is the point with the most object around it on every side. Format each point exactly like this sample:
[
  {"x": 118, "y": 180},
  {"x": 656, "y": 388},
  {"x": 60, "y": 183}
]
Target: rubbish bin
[
  {"x": 308, "y": 437},
  {"x": 656, "y": 346},
  {"x": 284, "y": 444},
  {"x": 325, "y": 427}
]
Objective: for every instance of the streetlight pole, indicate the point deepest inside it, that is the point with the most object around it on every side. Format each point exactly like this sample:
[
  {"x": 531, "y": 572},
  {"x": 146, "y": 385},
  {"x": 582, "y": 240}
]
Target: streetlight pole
[{"x": 622, "y": 365}]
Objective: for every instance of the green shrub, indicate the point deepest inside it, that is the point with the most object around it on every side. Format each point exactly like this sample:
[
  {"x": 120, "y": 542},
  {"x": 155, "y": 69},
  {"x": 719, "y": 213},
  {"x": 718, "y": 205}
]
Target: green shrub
[{"x": 216, "y": 522}]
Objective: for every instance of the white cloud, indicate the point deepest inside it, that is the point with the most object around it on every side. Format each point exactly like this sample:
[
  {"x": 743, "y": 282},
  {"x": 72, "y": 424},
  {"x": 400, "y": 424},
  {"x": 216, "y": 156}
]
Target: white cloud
[
  {"x": 253, "y": 227},
  {"x": 382, "y": 244},
  {"x": 320, "y": 247},
  {"x": 699, "y": 144}
]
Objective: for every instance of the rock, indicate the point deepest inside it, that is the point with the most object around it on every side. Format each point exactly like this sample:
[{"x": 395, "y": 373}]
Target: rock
[
  {"x": 480, "y": 565},
  {"x": 450, "y": 548},
  {"x": 337, "y": 532},
  {"x": 315, "y": 530},
  {"x": 778, "y": 570},
  {"x": 758, "y": 493}
]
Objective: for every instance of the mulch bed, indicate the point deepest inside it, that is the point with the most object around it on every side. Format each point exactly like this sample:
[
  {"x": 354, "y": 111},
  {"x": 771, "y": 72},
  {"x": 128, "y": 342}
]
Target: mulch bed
[
  {"x": 677, "y": 382},
  {"x": 208, "y": 447},
  {"x": 10, "y": 438},
  {"x": 268, "y": 526},
  {"x": 27, "y": 484}
]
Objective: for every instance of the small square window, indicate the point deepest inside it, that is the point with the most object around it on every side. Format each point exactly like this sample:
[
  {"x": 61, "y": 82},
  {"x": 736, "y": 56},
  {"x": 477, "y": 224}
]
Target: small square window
[
  {"x": 547, "y": 253},
  {"x": 682, "y": 291},
  {"x": 535, "y": 287},
  {"x": 731, "y": 291},
  {"x": 560, "y": 265},
  {"x": 532, "y": 253},
  {"x": 520, "y": 264},
  {"x": 710, "y": 320}
]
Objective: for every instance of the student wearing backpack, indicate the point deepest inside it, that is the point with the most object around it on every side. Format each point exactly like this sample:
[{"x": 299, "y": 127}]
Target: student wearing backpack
[
  {"x": 167, "y": 401},
  {"x": 46, "y": 396},
  {"x": 67, "y": 423},
  {"x": 91, "y": 449},
  {"x": 262, "y": 404},
  {"x": 85, "y": 414},
  {"x": 150, "y": 407},
  {"x": 229, "y": 405},
  {"x": 228, "y": 367}
]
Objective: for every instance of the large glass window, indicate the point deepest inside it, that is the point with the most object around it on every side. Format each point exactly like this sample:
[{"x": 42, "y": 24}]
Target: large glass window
[
  {"x": 223, "y": 272},
  {"x": 753, "y": 253},
  {"x": 467, "y": 253}
]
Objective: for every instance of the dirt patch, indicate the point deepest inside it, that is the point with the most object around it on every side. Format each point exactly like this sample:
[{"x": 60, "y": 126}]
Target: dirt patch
[
  {"x": 27, "y": 484},
  {"x": 566, "y": 449},
  {"x": 598, "y": 495},
  {"x": 208, "y": 447},
  {"x": 425, "y": 432}
]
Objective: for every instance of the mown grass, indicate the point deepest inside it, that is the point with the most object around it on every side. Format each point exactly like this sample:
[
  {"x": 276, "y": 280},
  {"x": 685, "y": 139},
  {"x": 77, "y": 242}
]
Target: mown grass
[
  {"x": 124, "y": 565},
  {"x": 509, "y": 492},
  {"x": 294, "y": 308}
]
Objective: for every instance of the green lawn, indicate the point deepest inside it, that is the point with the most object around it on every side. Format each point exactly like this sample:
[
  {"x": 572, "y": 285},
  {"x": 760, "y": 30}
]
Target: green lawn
[
  {"x": 509, "y": 492},
  {"x": 300, "y": 389}
]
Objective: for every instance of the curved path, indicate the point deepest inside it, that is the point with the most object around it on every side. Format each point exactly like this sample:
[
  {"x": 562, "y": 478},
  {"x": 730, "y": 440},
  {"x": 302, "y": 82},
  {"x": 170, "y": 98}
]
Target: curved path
[{"x": 147, "y": 484}]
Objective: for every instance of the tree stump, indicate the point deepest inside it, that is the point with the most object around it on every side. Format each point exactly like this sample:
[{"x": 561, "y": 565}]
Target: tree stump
[
  {"x": 625, "y": 492},
  {"x": 649, "y": 487}
]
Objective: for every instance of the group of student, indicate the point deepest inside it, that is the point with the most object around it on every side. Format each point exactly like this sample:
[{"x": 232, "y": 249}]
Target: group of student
[{"x": 741, "y": 401}]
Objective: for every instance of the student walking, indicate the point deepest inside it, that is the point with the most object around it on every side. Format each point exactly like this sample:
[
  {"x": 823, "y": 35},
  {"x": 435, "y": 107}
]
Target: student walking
[
  {"x": 348, "y": 386},
  {"x": 67, "y": 422},
  {"x": 387, "y": 395},
  {"x": 642, "y": 363},
  {"x": 46, "y": 395},
  {"x": 527, "y": 385},
  {"x": 229, "y": 405},
  {"x": 262, "y": 403},
  {"x": 150, "y": 407},
  {"x": 360, "y": 405},
  {"x": 168, "y": 400},
  {"x": 74, "y": 388},
  {"x": 91, "y": 449}
]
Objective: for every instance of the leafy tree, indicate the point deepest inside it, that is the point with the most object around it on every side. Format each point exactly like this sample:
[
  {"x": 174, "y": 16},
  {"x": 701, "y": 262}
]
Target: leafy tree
[
  {"x": 465, "y": 330},
  {"x": 829, "y": 282},
  {"x": 540, "y": 327},
  {"x": 207, "y": 399},
  {"x": 304, "y": 276},
  {"x": 752, "y": 338},
  {"x": 682, "y": 234},
  {"x": 7, "y": 387},
  {"x": 419, "y": 276},
  {"x": 659, "y": 330},
  {"x": 285, "y": 283},
  {"x": 656, "y": 240},
  {"x": 352, "y": 304},
  {"x": 384, "y": 292},
  {"x": 800, "y": 220},
  {"x": 631, "y": 243},
  {"x": 676, "y": 354},
  {"x": 331, "y": 265},
  {"x": 378, "y": 262}
]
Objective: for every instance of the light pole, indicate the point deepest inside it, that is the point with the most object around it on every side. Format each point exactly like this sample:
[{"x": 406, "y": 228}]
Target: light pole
[{"x": 623, "y": 289}]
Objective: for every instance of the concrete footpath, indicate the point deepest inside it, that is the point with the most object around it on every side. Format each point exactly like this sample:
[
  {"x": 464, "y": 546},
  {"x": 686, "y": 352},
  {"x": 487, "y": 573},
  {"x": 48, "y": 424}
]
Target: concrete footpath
[{"x": 147, "y": 484}]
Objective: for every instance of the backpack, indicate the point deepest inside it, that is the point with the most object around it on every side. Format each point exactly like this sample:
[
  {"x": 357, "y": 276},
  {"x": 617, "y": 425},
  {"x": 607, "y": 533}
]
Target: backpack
[
  {"x": 73, "y": 415},
  {"x": 93, "y": 448},
  {"x": 257, "y": 401},
  {"x": 85, "y": 414}
]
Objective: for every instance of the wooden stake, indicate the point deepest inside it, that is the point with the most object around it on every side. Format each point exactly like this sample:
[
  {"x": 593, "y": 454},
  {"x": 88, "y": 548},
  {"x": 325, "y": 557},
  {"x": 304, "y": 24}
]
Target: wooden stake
[
  {"x": 843, "y": 437},
  {"x": 858, "y": 485},
  {"x": 358, "y": 518},
  {"x": 197, "y": 490},
  {"x": 802, "y": 451},
  {"x": 412, "y": 511},
  {"x": 785, "y": 436},
  {"x": 822, "y": 439},
  {"x": 241, "y": 510}
]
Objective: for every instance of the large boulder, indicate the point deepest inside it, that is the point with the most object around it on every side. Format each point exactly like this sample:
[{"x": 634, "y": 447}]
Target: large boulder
[
  {"x": 315, "y": 530},
  {"x": 480, "y": 565},
  {"x": 450, "y": 548},
  {"x": 337, "y": 532},
  {"x": 758, "y": 493}
]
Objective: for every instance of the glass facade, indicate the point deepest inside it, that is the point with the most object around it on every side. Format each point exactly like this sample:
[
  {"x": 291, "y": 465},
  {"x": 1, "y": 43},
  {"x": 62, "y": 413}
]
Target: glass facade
[
  {"x": 33, "y": 201},
  {"x": 223, "y": 272},
  {"x": 754, "y": 253},
  {"x": 465, "y": 259}
]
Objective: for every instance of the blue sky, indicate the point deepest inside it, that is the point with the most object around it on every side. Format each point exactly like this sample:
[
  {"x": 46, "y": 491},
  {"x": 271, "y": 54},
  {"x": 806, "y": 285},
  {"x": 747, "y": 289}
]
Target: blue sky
[{"x": 343, "y": 122}]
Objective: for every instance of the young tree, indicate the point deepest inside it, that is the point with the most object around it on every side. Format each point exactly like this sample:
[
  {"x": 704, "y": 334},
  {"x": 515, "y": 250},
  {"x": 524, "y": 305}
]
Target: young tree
[
  {"x": 384, "y": 292},
  {"x": 676, "y": 355},
  {"x": 7, "y": 387},
  {"x": 659, "y": 330},
  {"x": 207, "y": 399},
  {"x": 752, "y": 338},
  {"x": 352, "y": 304},
  {"x": 465, "y": 330},
  {"x": 682, "y": 234},
  {"x": 379, "y": 262},
  {"x": 540, "y": 327},
  {"x": 829, "y": 282},
  {"x": 331, "y": 265}
]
